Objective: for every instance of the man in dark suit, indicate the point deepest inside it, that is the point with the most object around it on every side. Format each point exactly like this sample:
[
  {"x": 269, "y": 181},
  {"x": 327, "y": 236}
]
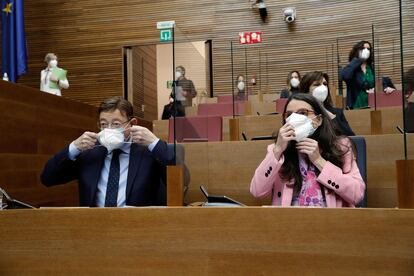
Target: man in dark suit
[{"x": 123, "y": 165}]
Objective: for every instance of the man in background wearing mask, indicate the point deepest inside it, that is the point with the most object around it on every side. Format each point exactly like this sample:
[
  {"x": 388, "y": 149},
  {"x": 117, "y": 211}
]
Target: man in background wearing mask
[
  {"x": 46, "y": 77},
  {"x": 184, "y": 89},
  {"x": 122, "y": 165},
  {"x": 241, "y": 88}
]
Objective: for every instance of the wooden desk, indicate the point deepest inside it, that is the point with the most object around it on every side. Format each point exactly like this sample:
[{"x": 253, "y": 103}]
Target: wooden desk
[{"x": 207, "y": 241}]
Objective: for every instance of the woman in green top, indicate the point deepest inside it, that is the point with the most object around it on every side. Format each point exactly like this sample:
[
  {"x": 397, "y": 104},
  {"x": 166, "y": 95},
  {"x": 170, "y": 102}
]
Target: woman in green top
[{"x": 359, "y": 75}]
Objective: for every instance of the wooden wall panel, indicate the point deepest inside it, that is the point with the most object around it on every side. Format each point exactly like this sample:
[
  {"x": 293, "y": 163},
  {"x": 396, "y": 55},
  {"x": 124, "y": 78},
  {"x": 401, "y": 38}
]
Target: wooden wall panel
[
  {"x": 88, "y": 37},
  {"x": 144, "y": 82},
  {"x": 35, "y": 126}
]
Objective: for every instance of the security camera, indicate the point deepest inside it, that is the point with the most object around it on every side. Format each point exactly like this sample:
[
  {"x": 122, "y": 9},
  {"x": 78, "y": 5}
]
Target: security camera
[{"x": 289, "y": 14}]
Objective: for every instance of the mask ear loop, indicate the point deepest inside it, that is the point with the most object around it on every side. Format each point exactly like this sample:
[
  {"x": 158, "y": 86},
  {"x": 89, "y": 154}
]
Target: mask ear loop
[{"x": 129, "y": 136}]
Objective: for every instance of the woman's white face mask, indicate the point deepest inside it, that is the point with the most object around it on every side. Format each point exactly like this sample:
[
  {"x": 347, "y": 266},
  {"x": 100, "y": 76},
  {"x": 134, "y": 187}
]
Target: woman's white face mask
[
  {"x": 302, "y": 124},
  {"x": 294, "y": 82},
  {"x": 320, "y": 93},
  {"x": 364, "y": 54},
  {"x": 53, "y": 63},
  {"x": 240, "y": 85},
  {"x": 111, "y": 138}
]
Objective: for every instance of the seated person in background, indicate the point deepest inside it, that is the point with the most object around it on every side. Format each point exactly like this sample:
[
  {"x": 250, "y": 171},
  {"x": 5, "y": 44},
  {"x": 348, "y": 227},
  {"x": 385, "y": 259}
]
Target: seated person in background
[
  {"x": 317, "y": 84},
  {"x": 123, "y": 164},
  {"x": 184, "y": 87},
  {"x": 292, "y": 85},
  {"x": 308, "y": 165},
  {"x": 169, "y": 110},
  {"x": 46, "y": 77},
  {"x": 409, "y": 91},
  {"x": 241, "y": 88}
]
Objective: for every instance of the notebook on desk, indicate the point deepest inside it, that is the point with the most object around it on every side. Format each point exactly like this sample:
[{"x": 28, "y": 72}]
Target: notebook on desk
[{"x": 214, "y": 200}]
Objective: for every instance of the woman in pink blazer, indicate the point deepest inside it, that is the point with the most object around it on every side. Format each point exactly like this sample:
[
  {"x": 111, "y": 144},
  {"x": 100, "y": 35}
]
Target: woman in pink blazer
[{"x": 308, "y": 165}]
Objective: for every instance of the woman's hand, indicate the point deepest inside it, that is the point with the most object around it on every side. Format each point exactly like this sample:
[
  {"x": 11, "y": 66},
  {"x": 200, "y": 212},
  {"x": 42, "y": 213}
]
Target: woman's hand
[
  {"x": 53, "y": 78},
  {"x": 389, "y": 90},
  {"x": 285, "y": 135},
  {"x": 310, "y": 147}
]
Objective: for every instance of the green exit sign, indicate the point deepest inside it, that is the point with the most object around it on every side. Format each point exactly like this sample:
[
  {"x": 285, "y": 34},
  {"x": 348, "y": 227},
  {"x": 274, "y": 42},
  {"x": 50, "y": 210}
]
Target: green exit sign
[{"x": 166, "y": 35}]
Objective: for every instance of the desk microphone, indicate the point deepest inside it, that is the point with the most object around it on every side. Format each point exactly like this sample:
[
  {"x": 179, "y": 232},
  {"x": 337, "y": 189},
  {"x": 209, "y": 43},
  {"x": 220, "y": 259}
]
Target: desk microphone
[{"x": 400, "y": 130}]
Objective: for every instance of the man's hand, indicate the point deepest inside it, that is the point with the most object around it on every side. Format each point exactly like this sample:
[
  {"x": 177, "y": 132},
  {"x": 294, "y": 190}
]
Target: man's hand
[
  {"x": 86, "y": 141},
  {"x": 142, "y": 135}
]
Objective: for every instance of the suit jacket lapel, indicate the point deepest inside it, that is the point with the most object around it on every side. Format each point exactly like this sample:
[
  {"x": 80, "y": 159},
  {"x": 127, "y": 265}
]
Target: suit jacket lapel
[
  {"x": 135, "y": 158},
  {"x": 101, "y": 153}
]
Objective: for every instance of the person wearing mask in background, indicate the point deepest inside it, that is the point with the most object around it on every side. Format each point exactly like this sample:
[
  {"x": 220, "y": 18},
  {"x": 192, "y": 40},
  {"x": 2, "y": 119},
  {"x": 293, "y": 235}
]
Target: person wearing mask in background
[
  {"x": 241, "y": 88},
  {"x": 185, "y": 89},
  {"x": 359, "y": 75},
  {"x": 308, "y": 165},
  {"x": 47, "y": 77},
  {"x": 292, "y": 85},
  {"x": 317, "y": 84},
  {"x": 122, "y": 165}
]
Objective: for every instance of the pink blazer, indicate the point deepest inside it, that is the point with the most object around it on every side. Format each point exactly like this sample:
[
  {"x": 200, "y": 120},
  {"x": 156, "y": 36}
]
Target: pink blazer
[{"x": 344, "y": 186}]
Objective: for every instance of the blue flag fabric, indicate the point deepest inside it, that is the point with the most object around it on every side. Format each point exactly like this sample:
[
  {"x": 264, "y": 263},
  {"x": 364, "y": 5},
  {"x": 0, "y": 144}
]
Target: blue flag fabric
[{"x": 14, "y": 52}]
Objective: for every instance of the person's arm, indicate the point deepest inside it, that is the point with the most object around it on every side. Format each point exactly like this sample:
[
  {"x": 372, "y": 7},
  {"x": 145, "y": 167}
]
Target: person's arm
[
  {"x": 193, "y": 91},
  {"x": 266, "y": 174},
  {"x": 63, "y": 83},
  {"x": 347, "y": 181},
  {"x": 347, "y": 73},
  {"x": 59, "y": 169},
  {"x": 42, "y": 78},
  {"x": 284, "y": 94}
]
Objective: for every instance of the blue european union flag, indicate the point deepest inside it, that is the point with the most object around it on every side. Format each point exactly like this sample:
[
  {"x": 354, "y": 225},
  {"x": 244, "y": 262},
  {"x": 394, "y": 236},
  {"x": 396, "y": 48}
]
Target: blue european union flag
[{"x": 14, "y": 58}]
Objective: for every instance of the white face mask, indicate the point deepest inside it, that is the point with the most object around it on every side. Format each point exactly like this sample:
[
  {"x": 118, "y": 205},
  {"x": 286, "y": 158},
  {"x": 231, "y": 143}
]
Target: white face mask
[
  {"x": 320, "y": 93},
  {"x": 364, "y": 54},
  {"x": 294, "y": 82},
  {"x": 240, "y": 85},
  {"x": 302, "y": 125},
  {"x": 53, "y": 63},
  {"x": 178, "y": 74},
  {"x": 111, "y": 138}
]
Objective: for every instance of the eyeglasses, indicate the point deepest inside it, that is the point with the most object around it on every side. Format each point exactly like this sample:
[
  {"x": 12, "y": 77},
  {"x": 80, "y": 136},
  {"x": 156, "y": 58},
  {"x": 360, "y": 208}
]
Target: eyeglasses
[
  {"x": 116, "y": 124},
  {"x": 302, "y": 111}
]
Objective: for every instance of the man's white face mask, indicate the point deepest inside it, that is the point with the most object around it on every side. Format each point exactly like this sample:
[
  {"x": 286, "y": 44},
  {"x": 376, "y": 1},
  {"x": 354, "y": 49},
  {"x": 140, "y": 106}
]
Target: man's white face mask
[
  {"x": 302, "y": 125},
  {"x": 294, "y": 82},
  {"x": 111, "y": 138},
  {"x": 53, "y": 63},
  {"x": 178, "y": 74},
  {"x": 320, "y": 93}
]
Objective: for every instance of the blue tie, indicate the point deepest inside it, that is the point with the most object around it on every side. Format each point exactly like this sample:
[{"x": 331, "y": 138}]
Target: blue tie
[{"x": 113, "y": 180}]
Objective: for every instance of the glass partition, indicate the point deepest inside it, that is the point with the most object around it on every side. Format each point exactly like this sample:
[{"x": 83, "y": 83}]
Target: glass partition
[{"x": 255, "y": 76}]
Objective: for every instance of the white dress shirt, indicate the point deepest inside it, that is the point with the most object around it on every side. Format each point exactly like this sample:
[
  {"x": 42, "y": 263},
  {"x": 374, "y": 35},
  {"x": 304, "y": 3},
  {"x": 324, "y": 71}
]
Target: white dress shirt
[
  {"x": 103, "y": 179},
  {"x": 45, "y": 81}
]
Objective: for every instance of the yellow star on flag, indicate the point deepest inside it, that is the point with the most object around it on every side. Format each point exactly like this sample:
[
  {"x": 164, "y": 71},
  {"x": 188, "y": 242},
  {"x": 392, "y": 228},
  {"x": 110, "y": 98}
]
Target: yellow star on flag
[{"x": 7, "y": 9}]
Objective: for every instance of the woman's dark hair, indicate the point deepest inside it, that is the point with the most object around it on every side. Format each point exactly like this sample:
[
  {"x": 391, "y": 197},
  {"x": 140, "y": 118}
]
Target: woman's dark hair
[
  {"x": 354, "y": 53},
  {"x": 114, "y": 103},
  {"x": 325, "y": 135},
  {"x": 409, "y": 81},
  {"x": 289, "y": 77},
  {"x": 311, "y": 77}
]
